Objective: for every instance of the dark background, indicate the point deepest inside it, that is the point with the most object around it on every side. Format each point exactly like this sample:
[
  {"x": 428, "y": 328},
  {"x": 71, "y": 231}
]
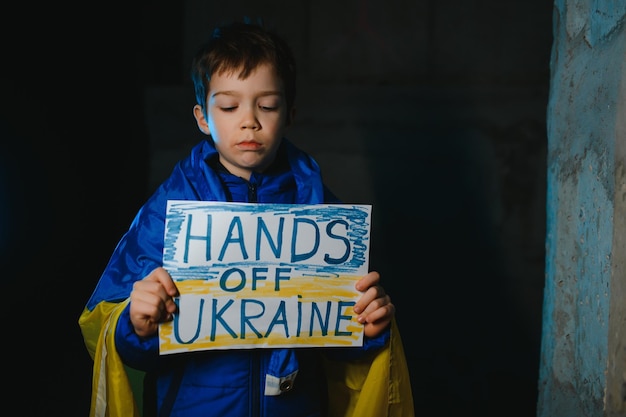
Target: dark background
[{"x": 451, "y": 152}]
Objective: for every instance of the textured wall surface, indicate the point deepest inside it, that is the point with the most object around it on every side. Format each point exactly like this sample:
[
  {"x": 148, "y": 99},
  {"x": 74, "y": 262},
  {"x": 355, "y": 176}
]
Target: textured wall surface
[
  {"x": 616, "y": 363},
  {"x": 584, "y": 294}
]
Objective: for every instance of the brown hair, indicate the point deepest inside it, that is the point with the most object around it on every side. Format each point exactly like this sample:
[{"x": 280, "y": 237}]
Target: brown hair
[{"x": 246, "y": 46}]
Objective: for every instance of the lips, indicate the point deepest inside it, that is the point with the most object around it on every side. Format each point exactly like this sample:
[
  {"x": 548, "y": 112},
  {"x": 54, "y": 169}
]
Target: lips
[{"x": 249, "y": 145}]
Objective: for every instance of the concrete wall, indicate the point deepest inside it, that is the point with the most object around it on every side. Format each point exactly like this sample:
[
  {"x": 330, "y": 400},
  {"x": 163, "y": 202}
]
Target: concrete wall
[{"x": 583, "y": 356}]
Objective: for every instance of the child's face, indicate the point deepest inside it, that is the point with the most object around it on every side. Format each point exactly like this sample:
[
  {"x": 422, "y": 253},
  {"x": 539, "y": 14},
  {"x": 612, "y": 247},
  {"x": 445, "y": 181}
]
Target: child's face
[{"x": 246, "y": 119}]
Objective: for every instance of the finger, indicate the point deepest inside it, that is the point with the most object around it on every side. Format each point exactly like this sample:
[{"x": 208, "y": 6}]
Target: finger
[
  {"x": 151, "y": 292},
  {"x": 371, "y": 308},
  {"x": 384, "y": 312},
  {"x": 163, "y": 277},
  {"x": 375, "y": 329},
  {"x": 377, "y": 321},
  {"x": 152, "y": 304},
  {"x": 170, "y": 307},
  {"x": 144, "y": 317},
  {"x": 368, "y": 298},
  {"x": 367, "y": 281}
]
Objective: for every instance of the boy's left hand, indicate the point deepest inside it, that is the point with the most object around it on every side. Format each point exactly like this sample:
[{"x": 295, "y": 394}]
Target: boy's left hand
[{"x": 374, "y": 308}]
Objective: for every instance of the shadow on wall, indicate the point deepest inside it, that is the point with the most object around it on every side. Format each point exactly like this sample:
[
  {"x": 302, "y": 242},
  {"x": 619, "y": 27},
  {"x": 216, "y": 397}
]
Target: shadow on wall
[{"x": 455, "y": 235}]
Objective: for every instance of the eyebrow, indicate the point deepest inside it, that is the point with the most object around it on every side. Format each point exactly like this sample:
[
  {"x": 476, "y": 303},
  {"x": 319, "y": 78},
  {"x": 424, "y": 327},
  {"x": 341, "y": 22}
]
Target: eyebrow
[{"x": 235, "y": 93}]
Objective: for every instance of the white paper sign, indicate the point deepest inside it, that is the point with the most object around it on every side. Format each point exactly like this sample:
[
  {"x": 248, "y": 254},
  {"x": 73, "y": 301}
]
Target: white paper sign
[{"x": 264, "y": 275}]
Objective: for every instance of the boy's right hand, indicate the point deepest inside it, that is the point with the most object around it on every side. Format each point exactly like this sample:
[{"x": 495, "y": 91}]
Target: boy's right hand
[{"x": 151, "y": 302}]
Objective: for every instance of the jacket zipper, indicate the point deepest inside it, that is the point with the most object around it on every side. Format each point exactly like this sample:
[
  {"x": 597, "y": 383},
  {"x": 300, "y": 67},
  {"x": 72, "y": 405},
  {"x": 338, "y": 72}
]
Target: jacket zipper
[
  {"x": 252, "y": 192},
  {"x": 255, "y": 407},
  {"x": 255, "y": 393}
]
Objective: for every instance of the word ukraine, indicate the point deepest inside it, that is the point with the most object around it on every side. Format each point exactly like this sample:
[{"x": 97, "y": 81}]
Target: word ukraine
[{"x": 264, "y": 275}]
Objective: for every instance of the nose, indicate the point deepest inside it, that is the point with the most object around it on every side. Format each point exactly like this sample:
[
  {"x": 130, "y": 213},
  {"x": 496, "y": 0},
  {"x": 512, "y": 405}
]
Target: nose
[{"x": 250, "y": 121}]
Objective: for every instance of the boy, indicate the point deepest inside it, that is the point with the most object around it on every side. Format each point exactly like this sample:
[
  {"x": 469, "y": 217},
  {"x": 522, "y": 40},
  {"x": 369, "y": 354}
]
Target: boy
[{"x": 244, "y": 80}]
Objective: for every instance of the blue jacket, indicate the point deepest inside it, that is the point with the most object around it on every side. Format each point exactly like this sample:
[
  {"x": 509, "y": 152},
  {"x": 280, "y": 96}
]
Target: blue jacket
[{"x": 248, "y": 382}]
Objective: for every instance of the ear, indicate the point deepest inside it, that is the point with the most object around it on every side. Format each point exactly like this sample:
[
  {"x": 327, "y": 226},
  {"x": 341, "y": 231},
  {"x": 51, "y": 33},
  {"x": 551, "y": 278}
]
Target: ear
[{"x": 203, "y": 125}]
